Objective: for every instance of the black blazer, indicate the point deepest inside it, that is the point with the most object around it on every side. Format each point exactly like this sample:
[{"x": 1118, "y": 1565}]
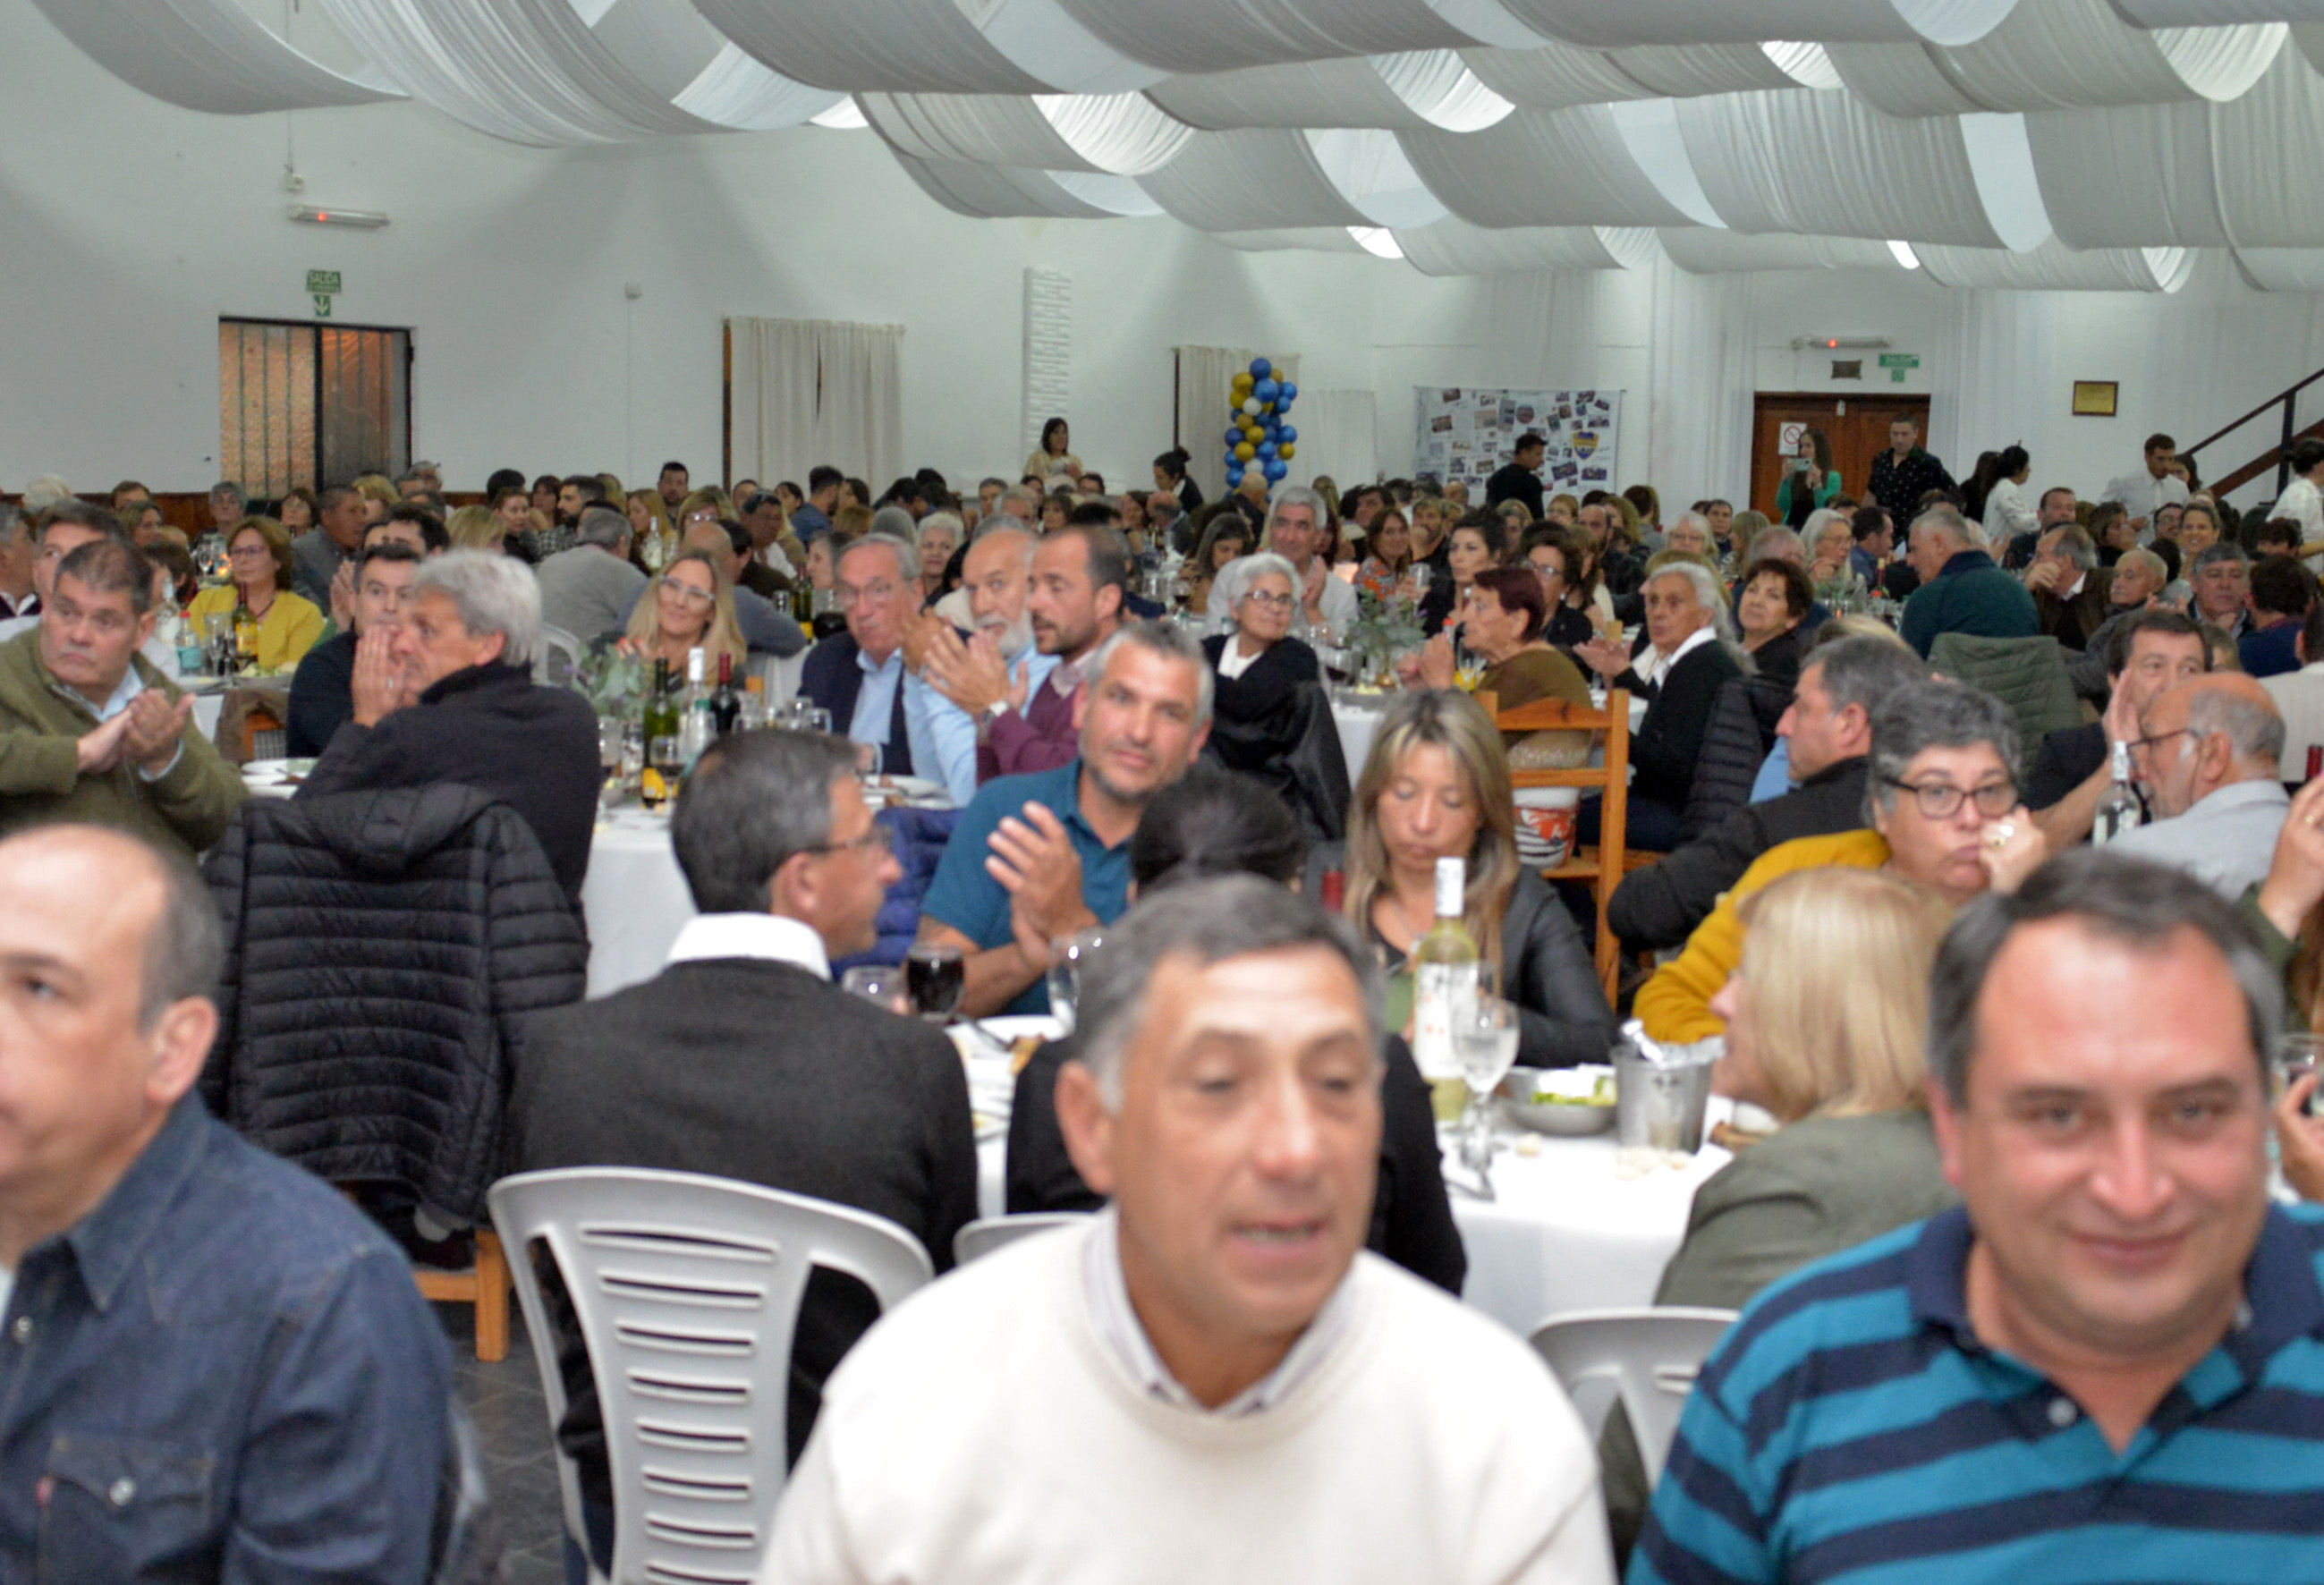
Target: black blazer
[
  {"x": 1268, "y": 687},
  {"x": 493, "y": 728},
  {"x": 832, "y": 678},
  {"x": 1670, "y": 738},
  {"x": 752, "y": 1069},
  {"x": 1412, "y": 1223}
]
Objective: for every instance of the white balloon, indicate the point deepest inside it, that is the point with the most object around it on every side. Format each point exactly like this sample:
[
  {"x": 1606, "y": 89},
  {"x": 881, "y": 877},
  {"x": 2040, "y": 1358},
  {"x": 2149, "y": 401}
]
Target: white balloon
[{"x": 1251, "y": 405}]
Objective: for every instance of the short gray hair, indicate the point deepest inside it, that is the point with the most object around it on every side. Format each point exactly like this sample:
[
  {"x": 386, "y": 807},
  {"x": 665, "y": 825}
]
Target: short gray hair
[
  {"x": 1211, "y": 921},
  {"x": 2154, "y": 564},
  {"x": 908, "y": 555},
  {"x": 2074, "y": 544},
  {"x": 1705, "y": 585},
  {"x": 1937, "y": 714},
  {"x": 1237, "y": 578},
  {"x": 602, "y": 526},
  {"x": 1297, "y": 495},
  {"x": 1864, "y": 672},
  {"x": 943, "y": 519},
  {"x": 752, "y": 801},
  {"x": 2224, "y": 550},
  {"x": 895, "y": 523},
  {"x": 227, "y": 489},
  {"x": 1949, "y": 520},
  {"x": 1161, "y": 638},
  {"x": 2130, "y": 901},
  {"x": 2253, "y": 727},
  {"x": 493, "y": 593},
  {"x": 1764, "y": 544},
  {"x": 1028, "y": 510}
]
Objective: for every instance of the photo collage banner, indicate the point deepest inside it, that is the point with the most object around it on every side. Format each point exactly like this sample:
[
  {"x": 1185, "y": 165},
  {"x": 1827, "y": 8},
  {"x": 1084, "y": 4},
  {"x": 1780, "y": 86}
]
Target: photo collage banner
[{"x": 1466, "y": 434}]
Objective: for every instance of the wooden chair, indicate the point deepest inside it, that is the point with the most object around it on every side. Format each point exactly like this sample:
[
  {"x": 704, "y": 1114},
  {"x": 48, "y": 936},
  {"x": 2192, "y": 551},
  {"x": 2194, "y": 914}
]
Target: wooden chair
[
  {"x": 262, "y": 730},
  {"x": 487, "y": 1285},
  {"x": 1612, "y": 779}
]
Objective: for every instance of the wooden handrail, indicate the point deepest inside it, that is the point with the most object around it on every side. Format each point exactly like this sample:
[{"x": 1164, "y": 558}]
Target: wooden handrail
[{"x": 2281, "y": 396}]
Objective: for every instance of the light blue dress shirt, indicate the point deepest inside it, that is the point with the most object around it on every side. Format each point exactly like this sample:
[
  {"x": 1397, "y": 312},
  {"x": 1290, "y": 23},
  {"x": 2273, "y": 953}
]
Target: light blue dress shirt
[
  {"x": 944, "y": 735},
  {"x": 875, "y": 701}
]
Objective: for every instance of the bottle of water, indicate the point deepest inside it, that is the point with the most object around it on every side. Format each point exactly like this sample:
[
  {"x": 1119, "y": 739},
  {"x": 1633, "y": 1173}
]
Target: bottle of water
[{"x": 2118, "y": 806}]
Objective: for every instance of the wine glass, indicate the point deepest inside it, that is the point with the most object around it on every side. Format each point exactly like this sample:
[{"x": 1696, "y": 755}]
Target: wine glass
[
  {"x": 1067, "y": 958},
  {"x": 937, "y": 976},
  {"x": 878, "y": 984},
  {"x": 1485, "y": 1044}
]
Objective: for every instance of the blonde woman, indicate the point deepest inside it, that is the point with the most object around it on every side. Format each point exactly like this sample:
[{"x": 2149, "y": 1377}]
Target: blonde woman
[
  {"x": 691, "y": 605},
  {"x": 1438, "y": 787},
  {"x": 380, "y": 496},
  {"x": 649, "y": 516},
  {"x": 477, "y": 527}
]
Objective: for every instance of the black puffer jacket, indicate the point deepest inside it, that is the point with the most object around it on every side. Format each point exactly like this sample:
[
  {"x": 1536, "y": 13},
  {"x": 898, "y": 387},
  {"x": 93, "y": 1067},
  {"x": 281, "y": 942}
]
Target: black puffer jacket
[
  {"x": 1734, "y": 741},
  {"x": 385, "y": 952}
]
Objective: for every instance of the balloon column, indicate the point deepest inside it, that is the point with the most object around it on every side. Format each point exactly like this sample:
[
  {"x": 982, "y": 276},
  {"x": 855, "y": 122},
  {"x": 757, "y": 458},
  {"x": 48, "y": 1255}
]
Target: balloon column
[{"x": 1258, "y": 435}]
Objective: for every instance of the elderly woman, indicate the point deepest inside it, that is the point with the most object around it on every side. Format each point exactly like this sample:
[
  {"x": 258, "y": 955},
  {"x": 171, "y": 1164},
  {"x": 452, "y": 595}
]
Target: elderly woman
[
  {"x": 1687, "y": 658},
  {"x": 1501, "y": 625},
  {"x": 1438, "y": 787},
  {"x": 1477, "y": 541},
  {"x": 1259, "y": 663},
  {"x": 1826, "y": 1024},
  {"x": 690, "y": 605},
  {"x": 296, "y": 511},
  {"x": 1691, "y": 536},
  {"x": 939, "y": 538},
  {"x": 1830, "y": 537},
  {"x": 258, "y": 555},
  {"x": 1554, "y": 553},
  {"x": 1771, "y": 599}
]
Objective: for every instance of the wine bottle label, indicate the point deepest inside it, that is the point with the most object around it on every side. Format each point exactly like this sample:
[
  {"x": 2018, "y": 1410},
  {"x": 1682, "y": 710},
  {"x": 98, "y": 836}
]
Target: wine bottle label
[
  {"x": 651, "y": 788},
  {"x": 1437, "y": 993}
]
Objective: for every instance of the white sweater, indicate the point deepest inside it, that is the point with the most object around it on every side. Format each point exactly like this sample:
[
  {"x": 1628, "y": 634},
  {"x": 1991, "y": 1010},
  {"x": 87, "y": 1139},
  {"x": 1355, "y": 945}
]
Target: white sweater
[{"x": 982, "y": 1433}]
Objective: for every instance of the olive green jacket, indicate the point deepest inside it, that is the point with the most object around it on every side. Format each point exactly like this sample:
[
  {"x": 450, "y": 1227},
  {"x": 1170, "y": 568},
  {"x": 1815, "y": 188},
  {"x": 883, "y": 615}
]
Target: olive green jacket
[{"x": 184, "y": 811}]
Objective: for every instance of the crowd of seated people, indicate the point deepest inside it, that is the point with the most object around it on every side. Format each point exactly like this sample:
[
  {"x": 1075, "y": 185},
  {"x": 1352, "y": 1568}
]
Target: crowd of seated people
[{"x": 1895, "y": 942}]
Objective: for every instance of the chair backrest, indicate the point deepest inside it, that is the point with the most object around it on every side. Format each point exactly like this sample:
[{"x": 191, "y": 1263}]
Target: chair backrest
[
  {"x": 686, "y": 1291},
  {"x": 988, "y": 1234},
  {"x": 1646, "y": 1358},
  {"x": 2028, "y": 675},
  {"x": 559, "y": 661},
  {"x": 1612, "y": 778}
]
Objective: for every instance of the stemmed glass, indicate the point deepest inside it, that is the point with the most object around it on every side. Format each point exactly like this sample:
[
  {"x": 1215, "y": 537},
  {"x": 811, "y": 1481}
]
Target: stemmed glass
[
  {"x": 1067, "y": 958},
  {"x": 1485, "y": 1044},
  {"x": 879, "y": 985}
]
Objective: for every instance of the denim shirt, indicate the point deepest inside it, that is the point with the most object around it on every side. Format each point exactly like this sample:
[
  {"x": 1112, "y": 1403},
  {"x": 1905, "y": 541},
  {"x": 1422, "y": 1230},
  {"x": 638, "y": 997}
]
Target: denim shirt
[{"x": 224, "y": 1372}]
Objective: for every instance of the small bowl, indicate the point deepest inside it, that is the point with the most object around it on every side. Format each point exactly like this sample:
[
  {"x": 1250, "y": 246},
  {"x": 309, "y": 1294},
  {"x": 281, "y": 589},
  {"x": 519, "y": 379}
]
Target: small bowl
[{"x": 1549, "y": 1117}]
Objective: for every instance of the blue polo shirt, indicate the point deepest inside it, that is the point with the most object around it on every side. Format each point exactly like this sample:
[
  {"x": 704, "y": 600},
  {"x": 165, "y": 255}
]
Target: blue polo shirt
[
  {"x": 1850, "y": 1427},
  {"x": 964, "y": 895}
]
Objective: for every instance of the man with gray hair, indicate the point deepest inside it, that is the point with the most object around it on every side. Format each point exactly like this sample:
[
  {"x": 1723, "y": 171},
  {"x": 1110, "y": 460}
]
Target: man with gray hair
[
  {"x": 589, "y": 590},
  {"x": 1688, "y": 655},
  {"x": 857, "y": 674},
  {"x": 228, "y": 505},
  {"x": 743, "y": 1059},
  {"x": 2220, "y": 575},
  {"x": 1037, "y": 857},
  {"x": 2208, "y": 753},
  {"x": 1327, "y": 605},
  {"x": 2071, "y": 598},
  {"x": 2110, "y": 1349},
  {"x": 961, "y": 681},
  {"x": 448, "y": 694},
  {"x": 1197, "y": 1382},
  {"x": 1961, "y": 590}
]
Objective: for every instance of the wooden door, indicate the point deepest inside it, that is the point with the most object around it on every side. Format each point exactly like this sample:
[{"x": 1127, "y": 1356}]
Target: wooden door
[{"x": 1858, "y": 426}]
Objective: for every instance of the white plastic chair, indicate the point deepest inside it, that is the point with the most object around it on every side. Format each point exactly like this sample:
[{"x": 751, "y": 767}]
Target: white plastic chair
[
  {"x": 687, "y": 1289},
  {"x": 988, "y": 1234},
  {"x": 559, "y": 661},
  {"x": 1646, "y": 1360}
]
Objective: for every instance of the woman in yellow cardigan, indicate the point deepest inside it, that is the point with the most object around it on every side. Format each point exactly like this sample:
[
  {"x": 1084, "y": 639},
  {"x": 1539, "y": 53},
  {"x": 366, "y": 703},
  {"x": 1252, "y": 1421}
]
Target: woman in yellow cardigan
[{"x": 289, "y": 624}]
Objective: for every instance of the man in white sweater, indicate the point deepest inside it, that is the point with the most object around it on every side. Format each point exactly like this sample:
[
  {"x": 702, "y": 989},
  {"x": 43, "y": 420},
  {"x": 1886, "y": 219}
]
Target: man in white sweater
[{"x": 1210, "y": 1380}]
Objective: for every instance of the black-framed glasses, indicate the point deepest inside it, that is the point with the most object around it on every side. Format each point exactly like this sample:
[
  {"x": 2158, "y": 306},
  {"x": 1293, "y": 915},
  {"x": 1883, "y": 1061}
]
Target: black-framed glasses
[
  {"x": 878, "y": 840},
  {"x": 1942, "y": 800},
  {"x": 2151, "y": 739}
]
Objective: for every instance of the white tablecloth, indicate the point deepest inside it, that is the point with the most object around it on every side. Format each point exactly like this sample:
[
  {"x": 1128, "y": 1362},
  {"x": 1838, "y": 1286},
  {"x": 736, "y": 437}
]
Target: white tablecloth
[
  {"x": 1358, "y": 724},
  {"x": 634, "y": 898}
]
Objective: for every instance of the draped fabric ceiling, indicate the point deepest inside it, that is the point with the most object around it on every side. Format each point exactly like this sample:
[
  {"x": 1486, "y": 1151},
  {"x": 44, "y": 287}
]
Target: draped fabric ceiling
[{"x": 1997, "y": 144}]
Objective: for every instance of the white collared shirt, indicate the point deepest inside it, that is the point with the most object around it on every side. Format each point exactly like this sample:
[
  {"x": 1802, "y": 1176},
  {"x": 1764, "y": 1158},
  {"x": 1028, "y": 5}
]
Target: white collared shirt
[
  {"x": 774, "y": 937},
  {"x": 1655, "y": 666},
  {"x": 1117, "y": 1323}
]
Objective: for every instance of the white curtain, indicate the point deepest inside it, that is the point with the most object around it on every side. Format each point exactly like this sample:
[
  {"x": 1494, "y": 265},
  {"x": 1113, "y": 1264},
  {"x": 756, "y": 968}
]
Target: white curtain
[
  {"x": 1698, "y": 388},
  {"x": 1994, "y": 380},
  {"x": 1205, "y": 373},
  {"x": 812, "y": 392},
  {"x": 1336, "y": 438}
]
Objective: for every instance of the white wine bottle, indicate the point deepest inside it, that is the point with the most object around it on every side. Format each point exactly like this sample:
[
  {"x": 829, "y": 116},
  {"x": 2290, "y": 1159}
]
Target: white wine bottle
[
  {"x": 1444, "y": 986},
  {"x": 2118, "y": 810}
]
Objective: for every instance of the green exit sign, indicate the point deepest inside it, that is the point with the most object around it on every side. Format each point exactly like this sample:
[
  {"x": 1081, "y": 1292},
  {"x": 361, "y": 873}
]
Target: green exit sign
[
  {"x": 1888, "y": 360},
  {"x": 326, "y": 283}
]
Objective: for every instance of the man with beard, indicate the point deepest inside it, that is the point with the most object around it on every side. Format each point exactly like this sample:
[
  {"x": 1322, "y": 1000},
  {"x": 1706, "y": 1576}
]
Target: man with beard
[
  {"x": 1081, "y": 578},
  {"x": 963, "y": 681}
]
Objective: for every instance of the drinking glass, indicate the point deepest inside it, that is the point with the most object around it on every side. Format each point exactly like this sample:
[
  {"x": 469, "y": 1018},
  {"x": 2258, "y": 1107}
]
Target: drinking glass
[
  {"x": 879, "y": 985},
  {"x": 938, "y": 977},
  {"x": 867, "y": 760},
  {"x": 1485, "y": 1044},
  {"x": 2296, "y": 1056},
  {"x": 1067, "y": 958}
]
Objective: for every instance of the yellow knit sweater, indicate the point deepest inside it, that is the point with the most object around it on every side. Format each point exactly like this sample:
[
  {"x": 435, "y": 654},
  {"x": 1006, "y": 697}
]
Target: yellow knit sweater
[{"x": 1675, "y": 1004}]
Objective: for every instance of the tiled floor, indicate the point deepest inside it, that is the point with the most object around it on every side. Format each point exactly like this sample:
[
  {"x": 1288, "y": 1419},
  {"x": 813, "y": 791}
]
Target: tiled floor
[{"x": 505, "y": 1401}]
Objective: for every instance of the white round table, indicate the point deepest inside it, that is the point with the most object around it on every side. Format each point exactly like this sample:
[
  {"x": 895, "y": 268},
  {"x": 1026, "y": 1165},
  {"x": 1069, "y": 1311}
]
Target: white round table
[
  {"x": 633, "y": 898},
  {"x": 1358, "y": 724}
]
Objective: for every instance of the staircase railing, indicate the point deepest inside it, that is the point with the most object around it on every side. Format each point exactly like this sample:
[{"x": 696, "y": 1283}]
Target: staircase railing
[{"x": 2278, "y": 456}]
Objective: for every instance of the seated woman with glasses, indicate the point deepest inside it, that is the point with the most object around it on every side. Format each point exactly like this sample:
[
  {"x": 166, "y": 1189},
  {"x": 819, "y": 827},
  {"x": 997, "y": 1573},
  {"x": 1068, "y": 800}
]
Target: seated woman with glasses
[
  {"x": 1259, "y": 663},
  {"x": 1501, "y": 625},
  {"x": 1555, "y": 557},
  {"x": 1438, "y": 787},
  {"x": 258, "y": 553},
  {"x": 690, "y": 605}
]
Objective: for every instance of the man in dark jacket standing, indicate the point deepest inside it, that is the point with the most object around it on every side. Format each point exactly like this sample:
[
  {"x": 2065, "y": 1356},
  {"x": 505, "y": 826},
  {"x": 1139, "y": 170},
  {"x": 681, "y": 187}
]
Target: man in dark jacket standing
[
  {"x": 1830, "y": 729},
  {"x": 1520, "y": 480},
  {"x": 743, "y": 1059},
  {"x": 448, "y": 694}
]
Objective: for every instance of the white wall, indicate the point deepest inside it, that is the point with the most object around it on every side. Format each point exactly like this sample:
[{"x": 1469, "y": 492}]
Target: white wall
[{"x": 127, "y": 226}]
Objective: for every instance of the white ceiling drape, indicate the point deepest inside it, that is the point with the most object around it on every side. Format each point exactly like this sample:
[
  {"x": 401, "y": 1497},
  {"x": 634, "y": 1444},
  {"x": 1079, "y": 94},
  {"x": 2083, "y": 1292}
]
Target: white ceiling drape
[{"x": 208, "y": 55}]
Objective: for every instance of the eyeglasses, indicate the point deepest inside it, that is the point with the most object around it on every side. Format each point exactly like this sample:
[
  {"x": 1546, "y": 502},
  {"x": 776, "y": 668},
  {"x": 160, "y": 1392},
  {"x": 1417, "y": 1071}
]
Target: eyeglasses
[
  {"x": 1942, "y": 800},
  {"x": 688, "y": 592},
  {"x": 2153, "y": 738},
  {"x": 875, "y": 841},
  {"x": 876, "y": 594},
  {"x": 1272, "y": 601},
  {"x": 251, "y": 553}
]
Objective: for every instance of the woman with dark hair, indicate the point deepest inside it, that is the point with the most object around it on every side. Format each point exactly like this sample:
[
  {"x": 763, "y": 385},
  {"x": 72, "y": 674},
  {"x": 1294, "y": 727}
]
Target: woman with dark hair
[
  {"x": 1648, "y": 505},
  {"x": 1170, "y": 476},
  {"x": 1211, "y": 823},
  {"x": 1053, "y": 458},
  {"x": 1999, "y": 501},
  {"x": 1225, "y": 538},
  {"x": 1809, "y": 481},
  {"x": 1386, "y": 569},
  {"x": 1553, "y": 554},
  {"x": 1771, "y": 599},
  {"x": 1501, "y": 625},
  {"x": 1477, "y": 541}
]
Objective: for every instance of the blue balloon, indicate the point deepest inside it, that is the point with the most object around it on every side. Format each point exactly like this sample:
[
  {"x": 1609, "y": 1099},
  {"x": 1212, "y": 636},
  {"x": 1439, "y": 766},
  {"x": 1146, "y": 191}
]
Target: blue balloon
[
  {"x": 1267, "y": 449},
  {"x": 1276, "y": 469},
  {"x": 1284, "y": 434},
  {"x": 1234, "y": 437},
  {"x": 1234, "y": 475},
  {"x": 1267, "y": 390},
  {"x": 1260, "y": 368},
  {"x": 1289, "y": 390}
]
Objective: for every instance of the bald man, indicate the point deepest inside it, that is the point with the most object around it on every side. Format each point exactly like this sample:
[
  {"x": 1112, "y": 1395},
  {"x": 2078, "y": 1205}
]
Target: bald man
[
  {"x": 2208, "y": 753},
  {"x": 216, "y": 1367},
  {"x": 963, "y": 681}
]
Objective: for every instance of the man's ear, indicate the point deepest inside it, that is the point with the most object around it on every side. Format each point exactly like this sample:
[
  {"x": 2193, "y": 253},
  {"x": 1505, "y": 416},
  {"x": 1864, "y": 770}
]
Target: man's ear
[
  {"x": 1087, "y": 1126},
  {"x": 182, "y": 1044}
]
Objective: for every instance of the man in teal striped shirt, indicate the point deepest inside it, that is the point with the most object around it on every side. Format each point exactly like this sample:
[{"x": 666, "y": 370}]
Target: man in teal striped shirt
[{"x": 2109, "y": 1363}]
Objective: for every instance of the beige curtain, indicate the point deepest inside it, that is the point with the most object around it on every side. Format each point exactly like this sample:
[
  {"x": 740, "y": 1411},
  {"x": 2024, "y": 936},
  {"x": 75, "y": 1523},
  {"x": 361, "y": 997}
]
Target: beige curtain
[
  {"x": 1203, "y": 374},
  {"x": 813, "y": 392}
]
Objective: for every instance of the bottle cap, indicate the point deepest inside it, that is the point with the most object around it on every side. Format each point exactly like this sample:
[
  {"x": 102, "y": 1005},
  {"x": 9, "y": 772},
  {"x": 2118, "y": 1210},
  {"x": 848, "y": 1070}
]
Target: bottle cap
[{"x": 1452, "y": 881}]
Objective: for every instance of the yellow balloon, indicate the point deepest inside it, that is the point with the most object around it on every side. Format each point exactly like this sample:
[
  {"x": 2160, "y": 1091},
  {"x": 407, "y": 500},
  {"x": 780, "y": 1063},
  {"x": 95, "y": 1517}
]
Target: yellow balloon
[
  {"x": 1287, "y": 452},
  {"x": 1246, "y": 451},
  {"x": 1241, "y": 384},
  {"x": 1253, "y": 432}
]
